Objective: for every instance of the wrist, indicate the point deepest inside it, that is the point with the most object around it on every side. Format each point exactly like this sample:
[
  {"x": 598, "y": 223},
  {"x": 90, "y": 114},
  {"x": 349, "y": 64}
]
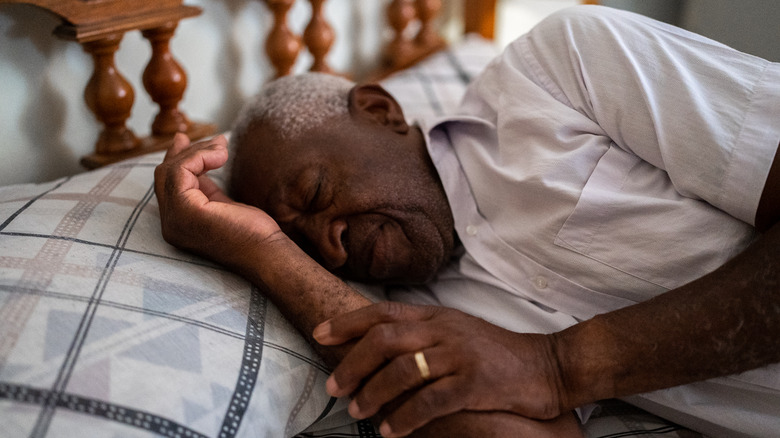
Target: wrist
[{"x": 586, "y": 364}]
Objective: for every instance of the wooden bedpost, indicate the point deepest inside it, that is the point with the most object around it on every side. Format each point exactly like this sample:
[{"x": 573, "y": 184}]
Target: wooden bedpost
[
  {"x": 403, "y": 50},
  {"x": 428, "y": 36},
  {"x": 165, "y": 81},
  {"x": 399, "y": 14},
  {"x": 282, "y": 46},
  {"x": 110, "y": 97},
  {"x": 318, "y": 37},
  {"x": 480, "y": 17}
]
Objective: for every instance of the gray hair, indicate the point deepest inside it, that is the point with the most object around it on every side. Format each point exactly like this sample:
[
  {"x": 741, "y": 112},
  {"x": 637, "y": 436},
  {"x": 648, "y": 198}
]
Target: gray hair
[{"x": 293, "y": 105}]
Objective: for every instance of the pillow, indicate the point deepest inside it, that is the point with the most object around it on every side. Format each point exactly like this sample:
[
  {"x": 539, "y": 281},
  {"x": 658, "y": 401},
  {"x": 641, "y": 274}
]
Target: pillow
[{"x": 106, "y": 330}]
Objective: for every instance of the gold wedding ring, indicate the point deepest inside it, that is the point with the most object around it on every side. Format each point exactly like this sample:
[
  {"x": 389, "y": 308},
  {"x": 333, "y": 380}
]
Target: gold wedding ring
[{"x": 422, "y": 365}]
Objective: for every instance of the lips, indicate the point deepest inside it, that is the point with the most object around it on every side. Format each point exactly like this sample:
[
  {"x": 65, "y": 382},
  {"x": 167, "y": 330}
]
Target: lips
[
  {"x": 376, "y": 255},
  {"x": 377, "y": 262},
  {"x": 383, "y": 248},
  {"x": 391, "y": 252}
]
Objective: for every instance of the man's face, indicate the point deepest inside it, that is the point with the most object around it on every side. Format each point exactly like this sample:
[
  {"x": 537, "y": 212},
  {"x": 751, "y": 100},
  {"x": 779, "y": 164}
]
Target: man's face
[{"x": 362, "y": 200}]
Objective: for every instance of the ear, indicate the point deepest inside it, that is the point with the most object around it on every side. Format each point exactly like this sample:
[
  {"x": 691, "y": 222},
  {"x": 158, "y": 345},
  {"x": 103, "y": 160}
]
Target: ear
[{"x": 374, "y": 103}]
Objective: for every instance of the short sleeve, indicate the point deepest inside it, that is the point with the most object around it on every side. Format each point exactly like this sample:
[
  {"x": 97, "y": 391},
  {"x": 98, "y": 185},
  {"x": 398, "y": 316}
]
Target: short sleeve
[{"x": 705, "y": 113}]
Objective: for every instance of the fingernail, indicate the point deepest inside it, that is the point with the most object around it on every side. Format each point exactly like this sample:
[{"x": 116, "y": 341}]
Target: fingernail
[
  {"x": 354, "y": 410},
  {"x": 321, "y": 331},
  {"x": 385, "y": 429},
  {"x": 332, "y": 387}
]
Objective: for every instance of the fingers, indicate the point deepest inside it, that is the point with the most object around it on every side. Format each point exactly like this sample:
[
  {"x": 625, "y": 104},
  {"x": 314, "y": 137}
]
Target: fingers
[
  {"x": 203, "y": 156},
  {"x": 180, "y": 142},
  {"x": 181, "y": 185},
  {"x": 382, "y": 343},
  {"x": 382, "y": 340},
  {"x": 429, "y": 403},
  {"x": 400, "y": 375},
  {"x": 355, "y": 324},
  {"x": 212, "y": 153},
  {"x": 185, "y": 163}
]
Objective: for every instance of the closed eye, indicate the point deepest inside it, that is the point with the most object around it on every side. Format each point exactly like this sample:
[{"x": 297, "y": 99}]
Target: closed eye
[{"x": 311, "y": 204}]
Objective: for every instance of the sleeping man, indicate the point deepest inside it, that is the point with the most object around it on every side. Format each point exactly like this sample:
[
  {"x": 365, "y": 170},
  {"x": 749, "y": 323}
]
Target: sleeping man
[{"x": 603, "y": 205}]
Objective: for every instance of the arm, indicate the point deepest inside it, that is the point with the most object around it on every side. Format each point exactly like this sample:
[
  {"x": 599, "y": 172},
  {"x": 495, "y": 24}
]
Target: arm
[{"x": 723, "y": 323}]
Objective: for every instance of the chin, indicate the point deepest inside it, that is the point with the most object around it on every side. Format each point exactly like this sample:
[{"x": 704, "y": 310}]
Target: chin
[
  {"x": 409, "y": 277},
  {"x": 412, "y": 276}
]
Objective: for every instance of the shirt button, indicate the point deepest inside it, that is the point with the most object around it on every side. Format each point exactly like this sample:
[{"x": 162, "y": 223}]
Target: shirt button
[
  {"x": 471, "y": 230},
  {"x": 540, "y": 282}
]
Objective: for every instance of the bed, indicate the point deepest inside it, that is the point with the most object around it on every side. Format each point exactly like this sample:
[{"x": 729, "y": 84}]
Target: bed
[{"x": 108, "y": 331}]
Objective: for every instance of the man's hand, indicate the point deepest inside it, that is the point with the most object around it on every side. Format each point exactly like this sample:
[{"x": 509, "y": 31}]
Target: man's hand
[
  {"x": 196, "y": 215},
  {"x": 474, "y": 366}
]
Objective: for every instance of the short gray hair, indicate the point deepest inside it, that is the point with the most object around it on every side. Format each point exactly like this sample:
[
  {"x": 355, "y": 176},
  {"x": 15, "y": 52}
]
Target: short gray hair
[{"x": 294, "y": 104}]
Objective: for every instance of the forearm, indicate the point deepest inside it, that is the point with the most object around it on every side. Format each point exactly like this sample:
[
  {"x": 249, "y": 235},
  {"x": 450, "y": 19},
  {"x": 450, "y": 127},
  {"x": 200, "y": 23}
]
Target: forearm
[
  {"x": 305, "y": 292},
  {"x": 723, "y": 323}
]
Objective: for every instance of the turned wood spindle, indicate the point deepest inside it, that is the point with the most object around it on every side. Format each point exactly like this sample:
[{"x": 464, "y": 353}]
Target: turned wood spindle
[
  {"x": 109, "y": 96},
  {"x": 165, "y": 81},
  {"x": 427, "y": 10},
  {"x": 399, "y": 14},
  {"x": 318, "y": 37},
  {"x": 282, "y": 46}
]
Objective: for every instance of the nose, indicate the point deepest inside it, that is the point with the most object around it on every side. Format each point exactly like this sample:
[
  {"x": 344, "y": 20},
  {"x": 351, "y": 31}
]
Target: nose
[{"x": 326, "y": 234}]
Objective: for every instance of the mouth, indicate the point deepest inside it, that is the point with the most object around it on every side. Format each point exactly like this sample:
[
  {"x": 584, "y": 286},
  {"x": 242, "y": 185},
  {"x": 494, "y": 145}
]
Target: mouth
[
  {"x": 389, "y": 252},
  {"x": 372, "y": 258},
  {"x": 377, "y": 256},
  {"x": 383, "y": 248}
]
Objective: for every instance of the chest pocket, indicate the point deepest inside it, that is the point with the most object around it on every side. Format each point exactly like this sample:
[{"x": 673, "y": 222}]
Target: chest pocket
[{"x": 630, "y": 218}]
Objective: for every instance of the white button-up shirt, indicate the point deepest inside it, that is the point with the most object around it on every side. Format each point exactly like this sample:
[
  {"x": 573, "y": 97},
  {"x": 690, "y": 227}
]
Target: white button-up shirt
[
  {"x": 604, "y": 159},
  {"x": 601, "y": 160}
]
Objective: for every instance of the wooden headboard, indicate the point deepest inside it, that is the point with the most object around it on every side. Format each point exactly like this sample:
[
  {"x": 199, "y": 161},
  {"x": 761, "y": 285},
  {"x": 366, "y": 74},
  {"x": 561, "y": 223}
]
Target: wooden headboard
[{"x": 99, "y": 26}]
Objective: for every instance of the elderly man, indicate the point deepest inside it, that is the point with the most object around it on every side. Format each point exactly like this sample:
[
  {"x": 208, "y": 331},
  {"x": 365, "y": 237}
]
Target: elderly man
[{"x": 597, "y": 202}]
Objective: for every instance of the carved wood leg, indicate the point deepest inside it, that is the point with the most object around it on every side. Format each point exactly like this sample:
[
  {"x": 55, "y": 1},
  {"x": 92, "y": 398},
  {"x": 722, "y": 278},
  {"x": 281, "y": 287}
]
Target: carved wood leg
[
  {"x": 400, "y": 50},
  {"x": 110, "y": 97},
  {"x": 165, "y": 81},
  {"x": 427, "y": 37},
  {"x": 282, "y": 46},
  {"x": 318, "y": 37}
]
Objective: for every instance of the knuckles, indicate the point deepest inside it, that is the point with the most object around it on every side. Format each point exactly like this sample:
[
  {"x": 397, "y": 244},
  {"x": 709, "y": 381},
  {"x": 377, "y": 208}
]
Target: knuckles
[
  {"x": 382, "y": 335},
  {"x": 391, "y": 310}
]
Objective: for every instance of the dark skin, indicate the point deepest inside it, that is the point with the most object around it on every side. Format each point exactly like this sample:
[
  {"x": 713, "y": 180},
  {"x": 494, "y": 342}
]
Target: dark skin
[{"x": 479, "y": 371}]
